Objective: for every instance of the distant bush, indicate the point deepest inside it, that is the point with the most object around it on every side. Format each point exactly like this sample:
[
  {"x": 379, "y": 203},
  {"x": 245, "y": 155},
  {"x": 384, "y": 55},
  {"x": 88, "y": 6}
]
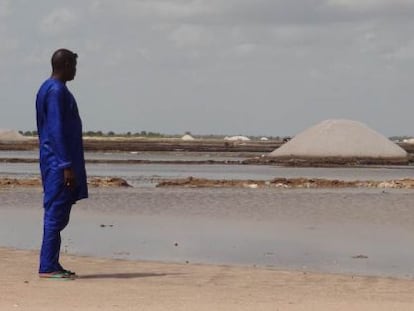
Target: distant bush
[
  {"x": 127, "y": 134},
  {"x": 28, "y": 133},
  {"x": 93, "y": 133}
]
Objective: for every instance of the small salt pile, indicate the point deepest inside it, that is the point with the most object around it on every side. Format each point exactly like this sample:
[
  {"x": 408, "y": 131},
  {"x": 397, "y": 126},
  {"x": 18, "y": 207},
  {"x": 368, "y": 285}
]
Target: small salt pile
[
  {"x": 11, "y": 135},
  {"x": 187, "y": 137}
]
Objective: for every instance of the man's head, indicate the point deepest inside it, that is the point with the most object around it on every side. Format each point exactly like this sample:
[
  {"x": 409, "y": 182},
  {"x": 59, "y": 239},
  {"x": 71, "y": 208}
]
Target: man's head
[{"x": 64, "y": 65}]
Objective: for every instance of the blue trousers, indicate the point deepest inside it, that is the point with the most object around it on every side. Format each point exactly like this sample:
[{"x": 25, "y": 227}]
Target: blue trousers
[{"x": 56, "y": 218}]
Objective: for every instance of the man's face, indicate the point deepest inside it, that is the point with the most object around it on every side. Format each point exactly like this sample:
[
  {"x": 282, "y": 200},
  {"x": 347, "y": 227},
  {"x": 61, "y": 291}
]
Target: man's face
[{"x": 70, "y": 70}]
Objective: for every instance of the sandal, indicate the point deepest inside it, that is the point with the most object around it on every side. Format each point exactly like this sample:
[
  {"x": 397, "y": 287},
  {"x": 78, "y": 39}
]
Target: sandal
[
  {"x": 70, "y": 273},
  {"x": 59, "y": 275}
]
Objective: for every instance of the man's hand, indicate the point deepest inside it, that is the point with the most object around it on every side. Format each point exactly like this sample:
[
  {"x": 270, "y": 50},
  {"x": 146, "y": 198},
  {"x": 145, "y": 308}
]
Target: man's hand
[{"x": 69, "y": 178}]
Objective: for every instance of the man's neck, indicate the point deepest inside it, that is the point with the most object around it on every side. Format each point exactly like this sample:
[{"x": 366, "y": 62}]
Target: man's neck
[{"x": 59, "y": 77}]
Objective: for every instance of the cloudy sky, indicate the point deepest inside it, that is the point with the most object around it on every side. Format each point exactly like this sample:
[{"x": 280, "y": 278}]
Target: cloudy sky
[{"x": 259, "y": 67}]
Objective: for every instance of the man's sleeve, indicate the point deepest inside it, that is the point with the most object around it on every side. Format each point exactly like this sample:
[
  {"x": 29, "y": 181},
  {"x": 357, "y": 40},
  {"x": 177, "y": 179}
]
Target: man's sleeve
[{"x": 56, "y": 126}]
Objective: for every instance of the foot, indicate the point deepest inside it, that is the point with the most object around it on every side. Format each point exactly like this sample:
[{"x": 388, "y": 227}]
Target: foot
[
  {"x": 71, "y": 273},
  {"x": 59, "y": 275}
]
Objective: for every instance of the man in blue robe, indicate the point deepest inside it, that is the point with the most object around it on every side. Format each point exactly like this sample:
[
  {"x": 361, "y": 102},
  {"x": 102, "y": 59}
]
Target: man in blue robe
[{"x": 62, "y": 163}]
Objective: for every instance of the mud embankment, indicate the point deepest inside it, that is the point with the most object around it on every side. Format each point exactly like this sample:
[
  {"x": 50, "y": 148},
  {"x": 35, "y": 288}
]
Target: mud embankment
[
  {"x": 191, "y": 182},
  {"x": 137, "y": 145},
  {"x": 328, "y": 161},
  {"x": 133, "y": 161},
  {"x": 325, "y": 162},
  {"x": 36, "y": 182}
]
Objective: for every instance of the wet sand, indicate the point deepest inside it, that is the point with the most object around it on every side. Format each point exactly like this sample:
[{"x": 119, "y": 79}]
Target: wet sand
[{"x": 135, "y": 285}]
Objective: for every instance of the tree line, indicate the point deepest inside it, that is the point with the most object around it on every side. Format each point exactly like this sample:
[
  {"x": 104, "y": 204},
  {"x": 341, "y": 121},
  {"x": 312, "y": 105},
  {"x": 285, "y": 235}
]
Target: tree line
[
  {"x": 109, "y": 134},
  {"x": 149, "y": 134}
]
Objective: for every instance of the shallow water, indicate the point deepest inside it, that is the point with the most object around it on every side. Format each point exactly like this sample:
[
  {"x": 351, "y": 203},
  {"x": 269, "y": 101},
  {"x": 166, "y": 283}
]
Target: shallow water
[
  {"x": 311, "y": 230},
  {"x": 363, "y": 231}
]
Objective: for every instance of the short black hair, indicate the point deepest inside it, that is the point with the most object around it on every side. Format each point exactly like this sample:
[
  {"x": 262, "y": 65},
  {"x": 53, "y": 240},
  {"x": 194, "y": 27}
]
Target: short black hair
[{"x": 61, "y": 57}]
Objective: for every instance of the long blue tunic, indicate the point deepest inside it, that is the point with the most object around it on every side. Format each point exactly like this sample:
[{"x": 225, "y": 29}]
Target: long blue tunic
[{"x": 60, "y": 142}]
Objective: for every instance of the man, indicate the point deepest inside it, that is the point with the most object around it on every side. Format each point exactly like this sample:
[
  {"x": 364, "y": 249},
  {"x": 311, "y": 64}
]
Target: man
[{"x": 62, "y": 163}]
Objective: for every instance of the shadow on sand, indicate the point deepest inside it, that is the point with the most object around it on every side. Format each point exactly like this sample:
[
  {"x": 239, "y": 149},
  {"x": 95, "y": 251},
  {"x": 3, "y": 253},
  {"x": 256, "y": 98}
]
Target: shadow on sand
[{"x": 123, "y": 275}]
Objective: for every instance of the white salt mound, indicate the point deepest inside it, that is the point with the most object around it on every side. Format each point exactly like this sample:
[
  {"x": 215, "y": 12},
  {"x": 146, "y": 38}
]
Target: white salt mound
[
  {"x": 187, "y": 137},
  {"x": 340, "y": 138},
  {"x": 236, "y": 138},
  {"x": 11, "y": 135},
  {"x": 409, "y": 141}
]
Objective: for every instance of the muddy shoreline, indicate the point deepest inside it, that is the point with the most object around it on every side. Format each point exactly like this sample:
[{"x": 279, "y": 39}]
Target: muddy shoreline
[
  {"x": 132, "y": 161},
  {"x": 191, "y": 182},
  {"x": 329, "y": 161},
  {"x": 7, "y": 182},
  {"x": 254, "y": 160},
  {"x": 290, "y": 183}
]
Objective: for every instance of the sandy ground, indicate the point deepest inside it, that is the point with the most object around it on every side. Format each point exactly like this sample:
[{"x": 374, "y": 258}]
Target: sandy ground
[{"x": 129, "y": 285}]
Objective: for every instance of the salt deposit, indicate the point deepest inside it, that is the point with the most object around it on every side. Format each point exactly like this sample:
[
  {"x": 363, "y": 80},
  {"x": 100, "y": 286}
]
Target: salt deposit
[
  {"x": 340, "y": 139},
  {"x": 409, "y": 141},
  {"x": 264, "y": 139},
  {"x": 235, "y": 138},
  {"x": 187, "y": 137},
  {"x": 11, "y": 135}
]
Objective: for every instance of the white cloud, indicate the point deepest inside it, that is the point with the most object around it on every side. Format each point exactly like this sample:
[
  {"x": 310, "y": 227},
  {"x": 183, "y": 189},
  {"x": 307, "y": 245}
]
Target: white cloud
[
  {"x": 5, "y": 8},
  {"x": 245, "y": 49},
  {"x": 9, "y": 47},
  {"x": 405, "y": 52},
  {"x": 58, "y": 21},
  {"x": 163, "y": 9},
  {"x": 114, "y": 58},
  {"x": 38, "y": 55},
  {"x": 172, "y": 9},
  {"x": 93, "y": 46},
  {"x": 191, "y": 36},
  {"x": 95, "y": 5},
  {"x": 369, "y": 4}
]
